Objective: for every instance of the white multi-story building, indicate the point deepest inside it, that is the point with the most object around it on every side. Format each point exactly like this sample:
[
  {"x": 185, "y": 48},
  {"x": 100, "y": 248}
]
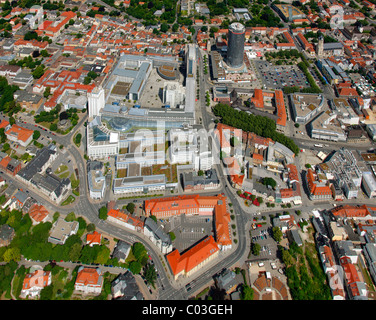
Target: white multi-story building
[
  {"x": 140, "y": 185},
  {"x": 173, "y": 94},
  {"x": 96, "y": 180},
  {"x": 369, "y": 184},
  {"x": 96, "y": 101},
  {"x": 190, "y": 145}
]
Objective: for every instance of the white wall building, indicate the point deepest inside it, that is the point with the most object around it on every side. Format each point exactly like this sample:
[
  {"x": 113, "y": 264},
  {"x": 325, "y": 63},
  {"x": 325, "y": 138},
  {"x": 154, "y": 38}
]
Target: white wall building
[
  {"x": 96, "y": 101},
  {"x": 190, "y": 145},
  {"x": 369, "y": 184},
  {"x": 173, "y": 94}
]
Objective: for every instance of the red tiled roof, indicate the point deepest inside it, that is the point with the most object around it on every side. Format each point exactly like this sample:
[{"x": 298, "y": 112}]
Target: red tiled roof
[{"x": 192, "y": 257}]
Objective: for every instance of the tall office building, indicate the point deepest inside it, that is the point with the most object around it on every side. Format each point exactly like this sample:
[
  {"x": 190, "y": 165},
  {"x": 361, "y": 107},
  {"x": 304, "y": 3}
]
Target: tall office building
[
  {"x": 96, "y": 101},
  {"x": 235, "y": 48}
]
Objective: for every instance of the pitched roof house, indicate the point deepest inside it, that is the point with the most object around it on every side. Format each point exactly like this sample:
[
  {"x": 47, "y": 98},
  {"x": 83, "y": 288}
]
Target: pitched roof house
[
  {"x": 89, "y": 280},
  {"x": 35, "y": 282}
]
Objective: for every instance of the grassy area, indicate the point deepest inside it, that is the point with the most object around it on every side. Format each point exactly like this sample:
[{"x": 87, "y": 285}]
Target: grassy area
[
  {"x": 146, "y": 171},
  {"x": 305, "y": 276},
  {"x": 64, "y": 175},
  {"x": 121, "y": 173},
  {"x": 170, "y": 171},
  {"x": 68, "y": 200}
]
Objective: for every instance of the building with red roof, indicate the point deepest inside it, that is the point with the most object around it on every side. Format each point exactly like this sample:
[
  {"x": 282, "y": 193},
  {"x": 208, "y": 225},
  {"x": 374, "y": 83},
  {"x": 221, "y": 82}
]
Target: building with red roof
[
  {"x": 125, "y": 220},
  {"x": 54, "y": 29},
  {"x": 19, "y": 135},
  {"x": 38, "y": 213},
  {"x": 318, "y": 189},
  {"x": 93, "y": 238},
  {"x": 281, "y": 110},
  {"x": 34, "y": 282},
  {"x": 193, "y": 259},
  {"x": 89, "y": 280},
  {"x": 356, "y": 288},
  {"x": 359, "y": 212},
  {"x": 192, "y": 205}
]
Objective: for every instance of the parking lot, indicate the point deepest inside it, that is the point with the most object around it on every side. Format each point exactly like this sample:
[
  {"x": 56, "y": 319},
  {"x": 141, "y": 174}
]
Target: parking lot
[
  {"x": 188, "y": 229},
  {"x": 263, "y": 236},
  {"x": 277, "y": 77}
]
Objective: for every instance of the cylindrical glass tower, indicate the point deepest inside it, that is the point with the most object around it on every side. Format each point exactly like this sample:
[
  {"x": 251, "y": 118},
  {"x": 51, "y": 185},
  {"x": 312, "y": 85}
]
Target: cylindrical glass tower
[{"x": 235, "y": 45}]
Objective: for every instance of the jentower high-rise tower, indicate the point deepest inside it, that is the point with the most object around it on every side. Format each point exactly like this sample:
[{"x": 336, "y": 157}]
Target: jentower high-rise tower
[{"x": 235, "y": 47}]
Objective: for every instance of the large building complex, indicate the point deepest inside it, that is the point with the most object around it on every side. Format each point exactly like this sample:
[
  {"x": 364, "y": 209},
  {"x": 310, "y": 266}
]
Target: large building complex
[
  {"x": 195, "y": 205},
  {"x": 190, "y": 145}
]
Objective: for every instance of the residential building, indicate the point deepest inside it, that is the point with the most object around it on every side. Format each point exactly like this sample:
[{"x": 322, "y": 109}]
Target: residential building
[
  {"x": 61, "y": 230},
  {"x": 358, "y": 212},
  {"x": 356, "y": 289},
  {"x": 19, "y": 135},
  {"x": 125, "y": 287},
  {"x": 89, "y": 280},
  {"x": 318, "y": 188},
  {"x": 284, "y": 222},
  {"x": 157, "y": 235},
  {"x": 6, "y": 235},
  {"x": 121, "y": 251},
  {"x": 93, "y": 238},
  {"x": 37, "y": 165},
  {"x": 369, "y": 251},
  {"x": 10, "y": 165},
  {"x": 125, "y": 220},
  {"x": 34, "y": 282},
  {"x": 226, "y": 280},
  {"x": 38, "y": 213}
]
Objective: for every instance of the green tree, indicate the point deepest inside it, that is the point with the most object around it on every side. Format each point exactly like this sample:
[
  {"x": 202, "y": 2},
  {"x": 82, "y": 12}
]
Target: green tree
[
  {"x": 12, "y": 254},
  {"x": 277, "y": 234},
  {"x": 139, "y": 251},
  {"x": 103, "y": 255},
  {"x": 75, "y": 252},
  {"x": 36, "y": 135},
  {"x": 53, "y": 126},
  {"x": 38, "y": 72},
  {"x": 135, "y": 267},
  {"x": 255, "y": 247},
  {"x": 150, "y": 274},
  {"x": 6, "y": 147},
  {"x": 130, "y": 207},
  {"x": 70, "y": 217},
  {"x": 47, "y": 92},
  {"x": 246, "y": 293},
  {"x": 103, "y": 213}
]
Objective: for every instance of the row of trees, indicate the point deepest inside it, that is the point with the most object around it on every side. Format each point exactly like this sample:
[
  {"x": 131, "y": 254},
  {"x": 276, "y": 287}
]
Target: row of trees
[
  {"x": 32, "y": 242},
  {"x": 145, "y": 11},
  {"x": 262, "y": 126},
  {"x": 7, "y": 103}
]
